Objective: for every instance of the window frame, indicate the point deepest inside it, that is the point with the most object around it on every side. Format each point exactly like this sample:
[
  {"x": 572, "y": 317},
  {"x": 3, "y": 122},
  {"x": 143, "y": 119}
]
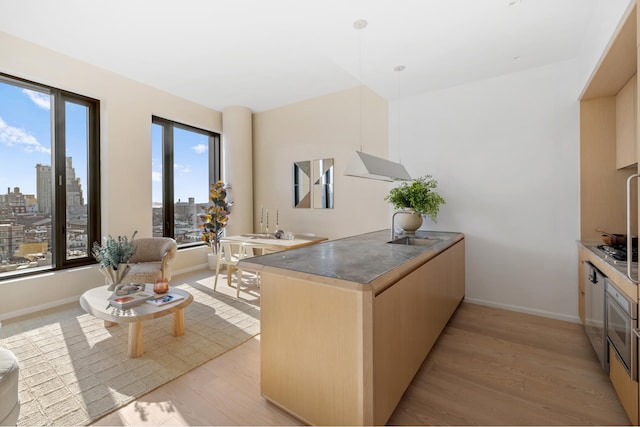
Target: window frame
[
  {"x": 168, "y": 150},
  {"x": 58, "y": 240}
]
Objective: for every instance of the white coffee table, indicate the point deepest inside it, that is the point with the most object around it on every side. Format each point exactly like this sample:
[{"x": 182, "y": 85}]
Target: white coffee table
[{"x": 95, "y": 302}]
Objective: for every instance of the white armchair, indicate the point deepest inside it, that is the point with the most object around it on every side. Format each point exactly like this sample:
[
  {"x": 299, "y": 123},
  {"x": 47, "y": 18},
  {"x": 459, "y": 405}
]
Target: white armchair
[
  {"x": 152, "y": 259},
  {"x": 9, "y": 398}
]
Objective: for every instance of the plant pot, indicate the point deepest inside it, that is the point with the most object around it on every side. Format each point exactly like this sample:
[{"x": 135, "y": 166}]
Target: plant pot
[
  {"x": 409, "y": 220},
  {"x": 212, "y": 260},
  {"x": 113, "y": 276}
]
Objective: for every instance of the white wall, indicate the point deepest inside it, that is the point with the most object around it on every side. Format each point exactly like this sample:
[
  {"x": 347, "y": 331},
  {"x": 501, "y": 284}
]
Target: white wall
[
  {"x": 126, "y": 107},
  {"x": 505, "y": 152},
  {"x": 318, "y": 128}
]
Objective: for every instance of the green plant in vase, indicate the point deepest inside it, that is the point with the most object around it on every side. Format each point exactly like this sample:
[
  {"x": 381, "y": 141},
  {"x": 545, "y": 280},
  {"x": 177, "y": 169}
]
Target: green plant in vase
[
  {"x": 216, "y": 215},
  {"x": 420, "y": 197},
  {"x": 113, "y": 256}
]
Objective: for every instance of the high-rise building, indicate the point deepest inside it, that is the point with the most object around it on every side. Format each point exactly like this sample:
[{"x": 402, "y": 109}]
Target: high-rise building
[
  {"x": 74, "y": 187},
  {"x": 44, "y": 189}
]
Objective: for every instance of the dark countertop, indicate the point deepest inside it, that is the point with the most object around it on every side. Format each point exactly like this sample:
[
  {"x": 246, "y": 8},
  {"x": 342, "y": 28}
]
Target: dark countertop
[{"x": 360, "y": 259}]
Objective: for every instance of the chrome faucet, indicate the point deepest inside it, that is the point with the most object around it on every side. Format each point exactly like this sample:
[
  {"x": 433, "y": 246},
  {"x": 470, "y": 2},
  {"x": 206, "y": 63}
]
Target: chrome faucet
[{"x": 393, "y": 227}]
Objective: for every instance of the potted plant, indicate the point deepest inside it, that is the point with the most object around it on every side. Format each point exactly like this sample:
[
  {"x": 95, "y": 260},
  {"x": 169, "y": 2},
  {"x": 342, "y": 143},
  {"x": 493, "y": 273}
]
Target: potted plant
[
  {"x": 215, "y": 216},
  {"x": 416, "y": 199},
  {"x": 113, "y": 256}
]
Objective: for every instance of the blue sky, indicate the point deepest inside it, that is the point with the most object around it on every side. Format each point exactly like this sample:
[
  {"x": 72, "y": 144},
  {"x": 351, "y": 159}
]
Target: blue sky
[
  {"x": 25, "y": 140},
  {"x": 25, "y": 137},
  {"x": 190, "y": 165}
]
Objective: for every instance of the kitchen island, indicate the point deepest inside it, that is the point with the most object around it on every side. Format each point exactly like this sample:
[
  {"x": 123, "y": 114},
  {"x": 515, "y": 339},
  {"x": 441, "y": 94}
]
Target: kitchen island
[{"x": 346, "y": 324}]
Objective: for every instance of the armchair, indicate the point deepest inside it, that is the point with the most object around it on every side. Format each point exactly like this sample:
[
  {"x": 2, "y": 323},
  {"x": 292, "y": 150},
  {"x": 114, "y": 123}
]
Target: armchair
[{"x": 152, "y": 259}]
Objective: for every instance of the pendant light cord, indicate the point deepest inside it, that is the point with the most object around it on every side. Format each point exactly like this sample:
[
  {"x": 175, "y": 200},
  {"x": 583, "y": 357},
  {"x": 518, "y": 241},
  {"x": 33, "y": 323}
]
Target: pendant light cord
[
  {"x": 398, "y": 69},
  {"x": 359, "y": 25},
  {"x": 360, "y": 125}
]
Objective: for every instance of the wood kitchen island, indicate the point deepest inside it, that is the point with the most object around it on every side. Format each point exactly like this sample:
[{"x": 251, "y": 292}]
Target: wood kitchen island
[{"x": 346, "y": 324}]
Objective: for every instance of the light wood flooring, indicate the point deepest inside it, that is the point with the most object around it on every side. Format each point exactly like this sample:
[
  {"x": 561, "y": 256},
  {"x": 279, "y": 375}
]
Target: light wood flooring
[{"x": 489, "y": 367}]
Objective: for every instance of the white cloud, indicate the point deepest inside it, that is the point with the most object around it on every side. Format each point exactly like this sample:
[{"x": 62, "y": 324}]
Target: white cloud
[
  {"x": 42, "y": 100},
  {"x": 200, "y": 148},
  {"x": 181, "y": 169},
  {"x": 156, "y": 176},
  {"x": 13, "y": 136}
]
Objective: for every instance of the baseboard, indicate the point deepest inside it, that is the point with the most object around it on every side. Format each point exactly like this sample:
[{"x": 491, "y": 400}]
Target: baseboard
[
  {"x": 191, "y": 269},
  {"x": 527, "y": 310},
  {"x": 36, "y": 308},
  {"x": 52, "y": 304}
]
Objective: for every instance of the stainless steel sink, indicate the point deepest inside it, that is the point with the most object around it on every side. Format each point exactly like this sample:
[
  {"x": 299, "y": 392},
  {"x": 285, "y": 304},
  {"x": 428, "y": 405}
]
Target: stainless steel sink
[{"x": 414, "y": 241}]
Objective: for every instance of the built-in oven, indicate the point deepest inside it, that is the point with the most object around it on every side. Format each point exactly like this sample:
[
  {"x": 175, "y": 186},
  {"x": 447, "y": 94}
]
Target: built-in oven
[{"x": 621, "y": 324}]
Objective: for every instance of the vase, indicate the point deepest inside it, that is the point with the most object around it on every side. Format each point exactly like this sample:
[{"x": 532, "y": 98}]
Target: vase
[
  {"x": 114, "y": 276},
  {"x": 409, "y": 220},
  {"x": 212, "y": 261}
]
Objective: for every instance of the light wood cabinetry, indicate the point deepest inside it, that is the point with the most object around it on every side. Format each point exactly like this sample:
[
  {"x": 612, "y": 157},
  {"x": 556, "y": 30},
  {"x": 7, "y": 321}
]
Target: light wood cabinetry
[
  {"x": 581, "y": 259},
  {"x": 609, "y": 148},
  {"x": 408, "y": 318},
  {"x": 626, "y": 124},
  {"x": 333, "y": 353},
  {"x": 626, "y": 389}
]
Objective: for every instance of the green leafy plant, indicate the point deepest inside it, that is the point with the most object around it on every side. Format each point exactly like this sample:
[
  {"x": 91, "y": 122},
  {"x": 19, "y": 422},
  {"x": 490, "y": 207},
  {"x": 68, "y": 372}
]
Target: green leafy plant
[
  {"x": 420, "y": 194},
  {"x": 114, "y": 251},
  {"x": 216, "y": 214}
]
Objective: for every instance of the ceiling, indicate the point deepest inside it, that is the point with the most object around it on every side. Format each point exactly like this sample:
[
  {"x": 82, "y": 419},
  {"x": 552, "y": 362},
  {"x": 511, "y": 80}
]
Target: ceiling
[{"x": 263, "y": 54}]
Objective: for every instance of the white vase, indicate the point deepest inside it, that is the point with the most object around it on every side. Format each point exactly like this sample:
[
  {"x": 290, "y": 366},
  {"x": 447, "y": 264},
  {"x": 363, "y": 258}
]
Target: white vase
[
  {"x": 409, "y": 220},
  {"x": 113, "y": 276},
  {"x": 212, "y": 260}
]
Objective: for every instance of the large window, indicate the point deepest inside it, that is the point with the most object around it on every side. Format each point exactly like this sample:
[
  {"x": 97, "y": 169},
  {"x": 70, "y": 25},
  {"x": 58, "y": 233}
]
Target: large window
[
  {"x": 49, "y": 157},
  {"x": 185, "y": 161}
]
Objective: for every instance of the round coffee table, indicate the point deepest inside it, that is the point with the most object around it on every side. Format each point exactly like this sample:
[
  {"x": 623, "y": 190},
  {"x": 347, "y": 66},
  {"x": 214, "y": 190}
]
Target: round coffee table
[{"x": 95, "y": 302}]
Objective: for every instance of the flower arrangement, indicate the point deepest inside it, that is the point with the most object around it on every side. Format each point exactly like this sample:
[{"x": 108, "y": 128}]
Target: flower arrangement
[
  {"x": 420, "y": 195},
  {"x": 216, "y": 214},
  {"x": 113, "y": 252}
]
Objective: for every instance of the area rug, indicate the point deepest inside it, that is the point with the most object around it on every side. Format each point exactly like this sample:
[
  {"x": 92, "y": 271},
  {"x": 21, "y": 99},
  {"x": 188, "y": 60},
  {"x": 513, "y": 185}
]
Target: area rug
[{"x": 73, "y": 370}]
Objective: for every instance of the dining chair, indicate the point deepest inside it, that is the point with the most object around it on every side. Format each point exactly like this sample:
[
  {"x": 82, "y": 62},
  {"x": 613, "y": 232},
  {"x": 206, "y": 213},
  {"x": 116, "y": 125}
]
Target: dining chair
[
  {"x": 250, "y": 249},
  {"x": 229, "y": 253}
]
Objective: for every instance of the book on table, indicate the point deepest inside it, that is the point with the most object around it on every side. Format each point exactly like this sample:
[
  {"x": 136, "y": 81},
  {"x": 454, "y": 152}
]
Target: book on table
[
  {"x": 129, "y": 295},
  {"x": 164, "y": 299}
]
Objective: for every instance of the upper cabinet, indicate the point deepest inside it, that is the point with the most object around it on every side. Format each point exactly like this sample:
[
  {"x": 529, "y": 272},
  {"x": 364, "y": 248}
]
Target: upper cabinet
[
  {"x": 626, "y": 124},
  {"x": 618, "y": 63},
  {"x": 608, "y": 141}
]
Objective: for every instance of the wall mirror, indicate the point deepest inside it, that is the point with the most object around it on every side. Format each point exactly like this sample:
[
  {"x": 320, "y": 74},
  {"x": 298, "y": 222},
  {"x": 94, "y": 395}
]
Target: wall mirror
[
  {"x": 323, "y": 184},
  {"x": 302, "y": 184}
]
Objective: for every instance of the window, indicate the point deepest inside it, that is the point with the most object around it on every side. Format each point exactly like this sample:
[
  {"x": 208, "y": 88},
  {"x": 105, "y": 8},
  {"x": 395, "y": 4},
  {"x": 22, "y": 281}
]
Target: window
[
  {"x": 185, "y": 162},
  {"x": 49, "y": 152}
]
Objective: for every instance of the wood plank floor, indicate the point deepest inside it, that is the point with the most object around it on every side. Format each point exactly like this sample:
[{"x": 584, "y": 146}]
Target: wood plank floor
[{"x": 489, "y": 367}]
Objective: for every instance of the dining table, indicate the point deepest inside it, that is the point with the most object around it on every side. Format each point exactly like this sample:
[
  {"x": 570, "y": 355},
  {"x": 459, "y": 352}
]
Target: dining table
[
  {"x": 268, "y": 243},
  {"x": 270, "y": 240}
]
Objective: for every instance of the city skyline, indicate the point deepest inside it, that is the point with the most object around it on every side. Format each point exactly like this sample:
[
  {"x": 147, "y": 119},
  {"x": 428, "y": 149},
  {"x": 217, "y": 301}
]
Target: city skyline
[{"x": 25, "y": 139}]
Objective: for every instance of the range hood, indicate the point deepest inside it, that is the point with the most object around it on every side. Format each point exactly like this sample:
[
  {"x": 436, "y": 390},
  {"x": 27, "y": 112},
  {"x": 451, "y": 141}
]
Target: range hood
[{"x": 364, "y": 165}]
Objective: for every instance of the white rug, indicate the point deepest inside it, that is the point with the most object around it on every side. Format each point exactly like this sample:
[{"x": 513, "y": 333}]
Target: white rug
[{"x": 73, "y": 370}]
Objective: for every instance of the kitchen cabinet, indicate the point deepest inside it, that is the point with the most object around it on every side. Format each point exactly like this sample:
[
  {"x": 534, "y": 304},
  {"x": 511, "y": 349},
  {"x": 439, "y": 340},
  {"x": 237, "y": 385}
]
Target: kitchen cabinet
[
  {"x": 626, "y": 124},
  {"x": 609, "y": 147},
  {"x": 408, "y": 318},
  {"x": 582, "y": 257},
  {"x": 626, "y": 388},
  {"x": 342, "y": 350}
]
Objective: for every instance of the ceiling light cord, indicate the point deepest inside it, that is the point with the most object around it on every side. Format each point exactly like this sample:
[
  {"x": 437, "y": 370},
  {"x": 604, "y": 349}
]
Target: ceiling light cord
[
  {"x": 359, "y": 25},
  {"x": 398, "y": 69}
]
